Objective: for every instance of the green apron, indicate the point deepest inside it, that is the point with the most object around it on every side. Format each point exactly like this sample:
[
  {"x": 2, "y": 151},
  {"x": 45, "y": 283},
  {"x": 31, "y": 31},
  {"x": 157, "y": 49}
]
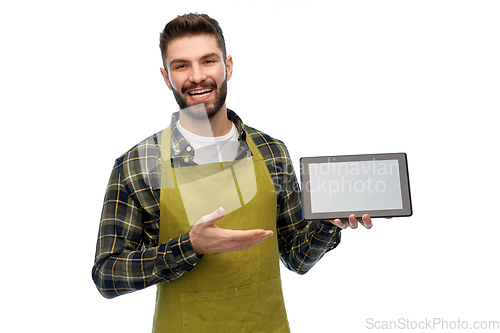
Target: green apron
[{"x": 228, "y": 292}]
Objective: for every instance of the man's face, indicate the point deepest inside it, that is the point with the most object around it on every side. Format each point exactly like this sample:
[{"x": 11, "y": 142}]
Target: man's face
[{"x": 196, "y": 73}]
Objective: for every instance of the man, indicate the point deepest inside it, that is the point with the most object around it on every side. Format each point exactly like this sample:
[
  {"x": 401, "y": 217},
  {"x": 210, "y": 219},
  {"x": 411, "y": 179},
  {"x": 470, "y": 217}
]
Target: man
[{"x": 209, "y": 205}]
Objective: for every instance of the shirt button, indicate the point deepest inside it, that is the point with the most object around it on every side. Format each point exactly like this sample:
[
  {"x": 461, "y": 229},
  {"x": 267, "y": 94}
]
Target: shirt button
[
  {"x": 188, "y": 148},
  {"x": 186, "y": 160},
  {"x": 331, "y": 231}
]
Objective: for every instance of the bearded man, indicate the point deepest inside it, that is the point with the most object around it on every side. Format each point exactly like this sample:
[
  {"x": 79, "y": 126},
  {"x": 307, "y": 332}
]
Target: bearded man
[{"x": 207, "y": 208}]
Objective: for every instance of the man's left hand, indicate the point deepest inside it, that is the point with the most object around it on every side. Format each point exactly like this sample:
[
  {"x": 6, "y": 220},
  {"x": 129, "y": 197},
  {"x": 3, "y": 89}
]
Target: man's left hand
[{"x": 352, "y": 222}]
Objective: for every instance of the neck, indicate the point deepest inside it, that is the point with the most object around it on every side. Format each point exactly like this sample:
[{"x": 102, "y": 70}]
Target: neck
[{"x": 217, "y": 125}]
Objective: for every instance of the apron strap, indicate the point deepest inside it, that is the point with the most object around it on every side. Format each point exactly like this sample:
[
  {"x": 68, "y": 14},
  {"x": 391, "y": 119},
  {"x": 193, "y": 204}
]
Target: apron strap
[{"x": 165, "y": 142}]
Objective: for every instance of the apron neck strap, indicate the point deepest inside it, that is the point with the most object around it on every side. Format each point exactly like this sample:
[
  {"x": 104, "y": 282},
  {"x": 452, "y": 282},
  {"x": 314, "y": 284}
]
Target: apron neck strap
[{"x": 165, "y": 145}]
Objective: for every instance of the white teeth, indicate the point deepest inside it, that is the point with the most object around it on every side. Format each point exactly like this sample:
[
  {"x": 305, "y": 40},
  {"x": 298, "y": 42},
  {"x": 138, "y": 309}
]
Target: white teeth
[
  {"x": 202, "y": 95},
  {"x": 197, "y": 92}
]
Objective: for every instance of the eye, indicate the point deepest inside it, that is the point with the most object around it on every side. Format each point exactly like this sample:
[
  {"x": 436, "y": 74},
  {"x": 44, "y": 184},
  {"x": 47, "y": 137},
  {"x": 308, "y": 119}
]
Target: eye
[{"x": 180, "y": 66}]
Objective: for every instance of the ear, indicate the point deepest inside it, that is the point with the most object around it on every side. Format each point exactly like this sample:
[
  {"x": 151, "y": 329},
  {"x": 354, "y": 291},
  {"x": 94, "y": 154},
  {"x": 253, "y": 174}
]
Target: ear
[
  {"x": 229, "y": 67},
  {"x": 166, "y": 78}
]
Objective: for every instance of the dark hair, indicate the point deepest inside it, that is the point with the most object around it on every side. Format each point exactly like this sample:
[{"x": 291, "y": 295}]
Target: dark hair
[{"x": 191, "y": 25}]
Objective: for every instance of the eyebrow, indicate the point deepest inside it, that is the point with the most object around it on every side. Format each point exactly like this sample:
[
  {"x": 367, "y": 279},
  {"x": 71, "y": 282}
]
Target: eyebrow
[{"x": 208, "y": 55}]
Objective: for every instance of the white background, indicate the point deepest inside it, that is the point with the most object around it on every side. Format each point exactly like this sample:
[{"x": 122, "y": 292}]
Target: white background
[{"x": 81, "y": 84}]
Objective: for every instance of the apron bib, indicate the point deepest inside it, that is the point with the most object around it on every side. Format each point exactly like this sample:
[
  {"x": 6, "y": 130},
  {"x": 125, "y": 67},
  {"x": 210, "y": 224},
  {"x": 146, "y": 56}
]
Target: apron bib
[{"x": 227, "y": 292}]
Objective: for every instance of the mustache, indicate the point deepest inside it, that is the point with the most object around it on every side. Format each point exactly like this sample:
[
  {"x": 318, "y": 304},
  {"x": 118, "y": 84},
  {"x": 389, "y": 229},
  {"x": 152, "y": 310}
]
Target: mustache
[{"x": 203, "y": 84}]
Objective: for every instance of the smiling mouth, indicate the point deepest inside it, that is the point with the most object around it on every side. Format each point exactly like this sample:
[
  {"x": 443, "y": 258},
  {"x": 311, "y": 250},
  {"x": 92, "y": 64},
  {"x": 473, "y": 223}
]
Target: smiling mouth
[{"x": 200, "y": 94}]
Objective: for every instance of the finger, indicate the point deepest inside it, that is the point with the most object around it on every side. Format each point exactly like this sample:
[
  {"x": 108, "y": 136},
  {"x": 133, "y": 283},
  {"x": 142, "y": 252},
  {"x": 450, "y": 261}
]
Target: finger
[
  {"x": 237, "y": 240},
  {"x": 268, "y": 233},
  {"x": 213, "y": 217},
  {"x": 353, "y": 223},
  {"x": 340, "y": 223},
  {"x": 367, "y": 221},
  {"x": 246, "y": 235},
  {"x": 243, "y": 244}
]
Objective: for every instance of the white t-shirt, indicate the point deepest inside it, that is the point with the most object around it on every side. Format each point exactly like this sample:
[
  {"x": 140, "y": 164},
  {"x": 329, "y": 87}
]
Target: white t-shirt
[{"x": 212, "y": 149}]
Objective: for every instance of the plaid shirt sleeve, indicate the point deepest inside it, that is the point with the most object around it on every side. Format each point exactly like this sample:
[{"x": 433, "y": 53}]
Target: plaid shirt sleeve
[
  {"x": 128, "y": 256},
  {"x": 301, "y": 243}
]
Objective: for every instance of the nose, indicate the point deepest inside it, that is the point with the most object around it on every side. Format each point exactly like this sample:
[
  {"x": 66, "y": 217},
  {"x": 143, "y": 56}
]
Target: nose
[{"x": 197, "y": 74}]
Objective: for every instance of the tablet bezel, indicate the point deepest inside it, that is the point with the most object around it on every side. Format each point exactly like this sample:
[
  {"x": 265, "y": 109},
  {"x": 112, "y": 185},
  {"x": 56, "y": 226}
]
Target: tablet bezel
[{"x": 403, "y": 178}]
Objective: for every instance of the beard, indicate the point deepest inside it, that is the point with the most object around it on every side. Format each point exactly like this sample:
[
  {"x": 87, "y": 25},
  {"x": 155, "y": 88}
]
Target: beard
[{"x": 211, "y": 109}]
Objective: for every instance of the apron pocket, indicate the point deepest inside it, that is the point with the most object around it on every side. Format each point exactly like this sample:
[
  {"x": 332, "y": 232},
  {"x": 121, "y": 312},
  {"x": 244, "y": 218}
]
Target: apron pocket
[{"x": 255, "y": 308}]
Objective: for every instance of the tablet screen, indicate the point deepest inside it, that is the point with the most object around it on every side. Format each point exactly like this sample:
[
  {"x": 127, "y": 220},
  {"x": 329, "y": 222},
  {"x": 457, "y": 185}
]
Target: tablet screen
[{"x": 337, "y": 186}]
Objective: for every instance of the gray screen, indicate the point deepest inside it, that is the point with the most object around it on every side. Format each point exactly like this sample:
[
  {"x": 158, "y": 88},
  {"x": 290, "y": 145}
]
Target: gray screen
[{"x": 355, "y": 186}]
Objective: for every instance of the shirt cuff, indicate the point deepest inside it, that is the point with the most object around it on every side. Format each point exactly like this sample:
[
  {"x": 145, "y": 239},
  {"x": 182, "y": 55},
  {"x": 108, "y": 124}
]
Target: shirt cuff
[
  {"x": 327, "y": 227},
  {"x": 180, "y": 253},
  {"x": 327, "y": 233}
]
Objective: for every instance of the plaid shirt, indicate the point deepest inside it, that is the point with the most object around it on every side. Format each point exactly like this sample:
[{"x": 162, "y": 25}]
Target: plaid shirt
[{"x": 128, "y": 256}]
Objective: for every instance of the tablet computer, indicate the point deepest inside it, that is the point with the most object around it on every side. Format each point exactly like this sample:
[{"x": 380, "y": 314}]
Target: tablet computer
[{"x": 337, "y": 186}]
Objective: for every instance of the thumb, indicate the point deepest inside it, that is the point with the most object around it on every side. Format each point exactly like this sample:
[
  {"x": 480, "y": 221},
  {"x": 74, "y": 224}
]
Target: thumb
[{"x": 213, "y": 217}]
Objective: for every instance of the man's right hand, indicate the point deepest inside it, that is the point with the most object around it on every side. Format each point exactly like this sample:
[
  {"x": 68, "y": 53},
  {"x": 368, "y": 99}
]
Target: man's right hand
[{"x": 207, "y": 238}]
